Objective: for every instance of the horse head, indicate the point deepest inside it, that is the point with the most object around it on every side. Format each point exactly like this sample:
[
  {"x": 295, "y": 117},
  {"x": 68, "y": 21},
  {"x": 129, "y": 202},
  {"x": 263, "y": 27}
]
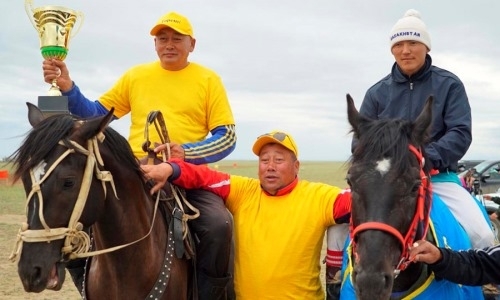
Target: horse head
[
  {"x": 56, "y": 164},
  {"x": 87, "y": 197},
  {"x": 389, "y": 183}
]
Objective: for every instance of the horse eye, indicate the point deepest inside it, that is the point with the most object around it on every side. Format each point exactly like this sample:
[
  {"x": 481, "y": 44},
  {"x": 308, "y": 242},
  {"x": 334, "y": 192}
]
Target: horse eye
[
  {"x": 68, "y": 183},
  {"x": 416, "y": 186}
]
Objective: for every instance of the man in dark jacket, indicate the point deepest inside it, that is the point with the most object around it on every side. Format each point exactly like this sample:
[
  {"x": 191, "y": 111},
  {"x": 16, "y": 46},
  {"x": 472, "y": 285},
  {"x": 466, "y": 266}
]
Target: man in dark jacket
[{"x": 402, "y": 95}]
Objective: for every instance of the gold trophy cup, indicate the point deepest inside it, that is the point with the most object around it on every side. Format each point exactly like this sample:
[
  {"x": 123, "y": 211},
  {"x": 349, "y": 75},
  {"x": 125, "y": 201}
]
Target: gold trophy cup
[{"x": 54, "y": 25}]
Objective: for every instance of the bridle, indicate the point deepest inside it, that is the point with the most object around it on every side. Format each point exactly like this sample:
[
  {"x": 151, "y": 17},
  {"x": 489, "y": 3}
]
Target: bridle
[
  {"x": 76, "y": 240},
  {"x": 420, "y": 219}
]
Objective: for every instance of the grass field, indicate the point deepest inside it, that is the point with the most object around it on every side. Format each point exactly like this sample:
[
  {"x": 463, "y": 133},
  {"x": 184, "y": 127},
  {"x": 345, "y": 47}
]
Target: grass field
[{"x": 12, "y": 203}]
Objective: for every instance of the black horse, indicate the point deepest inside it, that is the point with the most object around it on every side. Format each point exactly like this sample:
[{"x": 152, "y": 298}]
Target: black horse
[{"x": 392, "y": 207}]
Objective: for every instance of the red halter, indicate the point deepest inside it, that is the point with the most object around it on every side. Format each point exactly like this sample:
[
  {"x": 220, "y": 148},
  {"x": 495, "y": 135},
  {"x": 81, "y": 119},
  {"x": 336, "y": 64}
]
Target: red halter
[{"x": 421, "y": 217}]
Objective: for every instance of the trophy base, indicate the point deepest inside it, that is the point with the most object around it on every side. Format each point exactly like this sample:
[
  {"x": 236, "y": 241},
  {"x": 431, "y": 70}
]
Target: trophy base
[{"x": 53, "y": 105}]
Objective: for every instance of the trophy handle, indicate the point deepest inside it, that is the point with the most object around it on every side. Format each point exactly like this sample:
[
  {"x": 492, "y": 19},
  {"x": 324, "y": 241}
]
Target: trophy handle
[
  {"x": 28, "y": 6},
  {"x": 75, "y": 31}
]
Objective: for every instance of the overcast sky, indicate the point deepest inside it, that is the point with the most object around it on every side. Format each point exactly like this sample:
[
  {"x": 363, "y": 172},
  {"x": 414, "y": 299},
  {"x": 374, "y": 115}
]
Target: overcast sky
[{"x": 285, "y": 64}]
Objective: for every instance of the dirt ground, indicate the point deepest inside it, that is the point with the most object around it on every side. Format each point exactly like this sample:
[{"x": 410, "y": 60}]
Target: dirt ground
[{"x": 10, "y": 284}]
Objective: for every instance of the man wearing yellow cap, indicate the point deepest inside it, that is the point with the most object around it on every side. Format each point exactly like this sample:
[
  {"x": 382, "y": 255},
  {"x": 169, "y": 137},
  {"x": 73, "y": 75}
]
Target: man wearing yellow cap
[
  {"x": 280, "y": 221},
  {"x": 194, "y": 104}
]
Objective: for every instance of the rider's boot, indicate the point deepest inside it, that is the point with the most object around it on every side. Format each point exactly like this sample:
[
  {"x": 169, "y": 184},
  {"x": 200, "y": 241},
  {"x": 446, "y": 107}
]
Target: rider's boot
[
  {"x": 210, "y": 288},
  {"x": 76, "y": 269},
  {"x": 333, "y": 283}
]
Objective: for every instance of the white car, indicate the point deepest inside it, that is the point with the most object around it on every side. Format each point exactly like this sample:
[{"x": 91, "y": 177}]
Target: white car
[{"x": 492, "y": 207}]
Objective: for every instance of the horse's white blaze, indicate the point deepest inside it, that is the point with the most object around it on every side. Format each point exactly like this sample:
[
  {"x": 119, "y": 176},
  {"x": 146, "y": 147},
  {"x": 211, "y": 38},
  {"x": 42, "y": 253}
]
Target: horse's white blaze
[
  {"x": 39, "y": 171},
  {"x": 383, "y": 166}
]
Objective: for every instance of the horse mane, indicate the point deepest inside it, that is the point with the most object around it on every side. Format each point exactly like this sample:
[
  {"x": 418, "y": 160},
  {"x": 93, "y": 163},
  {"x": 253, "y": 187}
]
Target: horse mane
[
  {"x": 43, "y": 137},
  {"x": 384, "y": 138}
]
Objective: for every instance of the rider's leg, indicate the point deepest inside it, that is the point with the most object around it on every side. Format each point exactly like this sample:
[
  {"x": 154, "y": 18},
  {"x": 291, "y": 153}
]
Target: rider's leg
[
  {"x": 213, "y": 231},
  {"x": 467, "y": 212},
  {"x": 335, "y": 240}
]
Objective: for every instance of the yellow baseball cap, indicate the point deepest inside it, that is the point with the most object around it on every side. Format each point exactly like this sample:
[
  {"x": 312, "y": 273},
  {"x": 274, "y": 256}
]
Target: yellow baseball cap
[
  {"x": 277, "y": 137},
  {"x": 175, "y": 21}
]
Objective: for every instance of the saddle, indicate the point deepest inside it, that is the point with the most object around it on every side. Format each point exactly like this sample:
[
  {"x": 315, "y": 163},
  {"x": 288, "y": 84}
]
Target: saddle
[{"x": 173, "y": 198}]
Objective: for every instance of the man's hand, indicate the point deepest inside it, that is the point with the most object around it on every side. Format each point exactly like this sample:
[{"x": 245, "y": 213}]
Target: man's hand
[
  {"x": 423, "y": 251},
  {"x": 176, "y": 150},
  {"x": 158, "y": 173},
  {"x": 56, "y": 69}
]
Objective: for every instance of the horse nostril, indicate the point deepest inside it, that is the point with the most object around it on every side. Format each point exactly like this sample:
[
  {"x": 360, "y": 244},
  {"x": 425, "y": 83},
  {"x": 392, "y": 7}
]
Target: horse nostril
[{"x": 35, "y": 275}]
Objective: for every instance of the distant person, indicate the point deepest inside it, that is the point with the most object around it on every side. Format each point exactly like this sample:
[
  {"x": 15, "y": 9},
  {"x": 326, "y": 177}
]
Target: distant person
[
  {"x": 194, "y": 104},
  {"x": 468, "y": 180},
  {"x": 402, "y": 95},
  {"x": 280, "y": 221}
]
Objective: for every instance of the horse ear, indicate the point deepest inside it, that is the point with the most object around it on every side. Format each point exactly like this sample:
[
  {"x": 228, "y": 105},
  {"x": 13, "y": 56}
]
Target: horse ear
[
  {"x": 423, "y": 123},
  {"x": 92, "y": 127},
  {"x": 356, "y": 119},
  {"x": 352, "y": 114},
  {"x": 35, "y": 115}
]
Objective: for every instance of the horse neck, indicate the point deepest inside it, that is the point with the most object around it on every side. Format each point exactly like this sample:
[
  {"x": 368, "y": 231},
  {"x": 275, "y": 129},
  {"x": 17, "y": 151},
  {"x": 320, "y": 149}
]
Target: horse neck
[
  {"x": 130, "y": 217},
  {"x": 131, "y": 271}
]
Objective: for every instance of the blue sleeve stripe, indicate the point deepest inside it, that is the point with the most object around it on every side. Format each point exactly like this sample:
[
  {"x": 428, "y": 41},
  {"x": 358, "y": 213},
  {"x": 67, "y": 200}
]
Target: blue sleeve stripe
[{"x": 218, "y": 146}]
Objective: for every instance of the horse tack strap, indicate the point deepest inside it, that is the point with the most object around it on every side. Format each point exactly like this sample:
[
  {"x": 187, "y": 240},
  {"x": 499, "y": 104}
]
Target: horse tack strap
[
  {"x": 155, "y": 117},
  {"x": 164, "y": 276},
  {"x": 178, "y": 229},
  {"x": 379, "y": 226}
]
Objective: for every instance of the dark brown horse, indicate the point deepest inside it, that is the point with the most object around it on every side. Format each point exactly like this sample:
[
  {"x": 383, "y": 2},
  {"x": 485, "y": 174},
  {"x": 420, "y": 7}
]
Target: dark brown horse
[
  {"x": 393, "y": 206},
  {"x": 82, "y": 174}
]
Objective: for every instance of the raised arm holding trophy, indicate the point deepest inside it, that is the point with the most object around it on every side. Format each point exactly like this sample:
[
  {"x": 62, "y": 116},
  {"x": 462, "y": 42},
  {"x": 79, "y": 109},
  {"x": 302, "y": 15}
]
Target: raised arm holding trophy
[{"x": 54, "y": 25}]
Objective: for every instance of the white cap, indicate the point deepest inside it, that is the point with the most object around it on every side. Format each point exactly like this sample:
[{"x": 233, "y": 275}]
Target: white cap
[{"x": 410, "y": 27}]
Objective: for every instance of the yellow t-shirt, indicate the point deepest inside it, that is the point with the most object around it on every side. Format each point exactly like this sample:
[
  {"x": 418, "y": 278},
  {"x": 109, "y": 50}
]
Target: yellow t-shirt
[
  {"x": 279, "y": 239},
  {"x": 193, "y": 101}
]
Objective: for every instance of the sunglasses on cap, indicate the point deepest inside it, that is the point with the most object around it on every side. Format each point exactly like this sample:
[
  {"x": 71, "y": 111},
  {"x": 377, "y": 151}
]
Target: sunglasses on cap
[{"x": 280, "y": 136}]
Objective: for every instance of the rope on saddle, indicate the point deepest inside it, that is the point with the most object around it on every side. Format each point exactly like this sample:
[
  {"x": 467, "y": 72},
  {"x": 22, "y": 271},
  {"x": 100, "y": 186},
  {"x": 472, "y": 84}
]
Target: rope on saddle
[{"x": 183, "y": 240}]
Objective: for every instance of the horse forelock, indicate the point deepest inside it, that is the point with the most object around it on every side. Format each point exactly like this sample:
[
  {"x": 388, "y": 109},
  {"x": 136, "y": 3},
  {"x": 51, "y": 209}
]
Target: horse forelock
[
  {"x": 40, "y": 141},
  {"x": 384, "y": 140}
]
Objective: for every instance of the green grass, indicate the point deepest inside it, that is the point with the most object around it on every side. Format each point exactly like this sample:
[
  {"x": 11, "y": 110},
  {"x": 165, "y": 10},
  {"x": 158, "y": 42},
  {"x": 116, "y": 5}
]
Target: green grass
[
  {"x": 11, "y": 199},
  {"x": 323, "y": 171},
  {"x": 12, "y": 211}
]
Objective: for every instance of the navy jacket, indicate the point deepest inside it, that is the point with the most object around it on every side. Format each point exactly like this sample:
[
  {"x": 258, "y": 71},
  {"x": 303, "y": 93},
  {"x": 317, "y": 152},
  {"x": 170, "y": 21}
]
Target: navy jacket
[
  {"x": 472, "y": 267},
  {"x": 402, "y": 97}
]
